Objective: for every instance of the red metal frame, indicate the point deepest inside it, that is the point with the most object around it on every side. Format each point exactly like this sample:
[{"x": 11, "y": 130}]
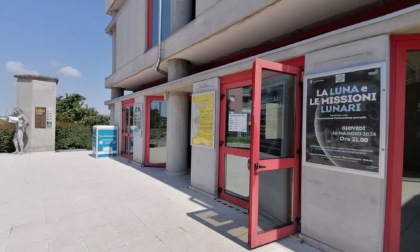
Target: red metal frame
[
  {"x": 126, "y": 103},
  {"x": 228, "y": 82},
  {"x": 400, "y": 44},
  {"x": 149, "y": 99},
  {"x": 256, "y": 239}
]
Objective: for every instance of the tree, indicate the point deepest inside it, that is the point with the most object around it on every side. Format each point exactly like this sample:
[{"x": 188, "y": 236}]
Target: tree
[{"x": 71, "y": 108}]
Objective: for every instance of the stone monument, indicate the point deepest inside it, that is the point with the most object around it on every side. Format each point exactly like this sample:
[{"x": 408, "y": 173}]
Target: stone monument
[{"x": 36, "y": 98}]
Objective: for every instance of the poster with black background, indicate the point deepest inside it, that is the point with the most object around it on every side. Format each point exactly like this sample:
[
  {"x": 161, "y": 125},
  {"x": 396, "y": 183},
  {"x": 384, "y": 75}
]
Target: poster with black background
[{"x": 343, "y": 120}]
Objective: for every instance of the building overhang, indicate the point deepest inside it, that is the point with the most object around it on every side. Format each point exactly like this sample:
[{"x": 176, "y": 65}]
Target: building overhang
[
  {"x": 400, "y": 22},
  {"x": 291, "y": 18}
]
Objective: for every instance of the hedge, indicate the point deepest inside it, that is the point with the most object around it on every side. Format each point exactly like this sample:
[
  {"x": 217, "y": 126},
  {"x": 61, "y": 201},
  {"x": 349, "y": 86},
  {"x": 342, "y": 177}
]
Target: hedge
[
  {"x": 72, "y": 136},
  {"x": 7, "y": 131},
  {"x": 67, "y": 136}
]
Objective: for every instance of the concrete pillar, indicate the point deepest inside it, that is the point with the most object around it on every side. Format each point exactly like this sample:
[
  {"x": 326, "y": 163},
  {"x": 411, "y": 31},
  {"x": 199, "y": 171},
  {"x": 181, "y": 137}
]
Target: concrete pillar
[
  {"x": 181, "y": 13},
  {"x": 36, "y": 96},
  {"x": 177, "y": 69},
  {"x": 177, "y": 140},
  {"x": 117, "y": 92}
]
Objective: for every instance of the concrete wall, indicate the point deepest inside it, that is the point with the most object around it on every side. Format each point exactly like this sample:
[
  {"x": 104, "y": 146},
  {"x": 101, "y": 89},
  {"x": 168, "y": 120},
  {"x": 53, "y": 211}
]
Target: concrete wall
[
  {"x": 130, "y": 32},
  {"x": 343, "y": 210},
  {"x": 202, "y": 5},
  {"x": 138, "y": 149},
  {"x": 37, "y": 93},
  {"x": 204, "y": 161}
]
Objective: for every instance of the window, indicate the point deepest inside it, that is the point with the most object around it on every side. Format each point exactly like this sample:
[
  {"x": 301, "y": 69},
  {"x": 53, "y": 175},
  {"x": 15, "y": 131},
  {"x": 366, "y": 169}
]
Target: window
[{"x": 153, "y": 21}]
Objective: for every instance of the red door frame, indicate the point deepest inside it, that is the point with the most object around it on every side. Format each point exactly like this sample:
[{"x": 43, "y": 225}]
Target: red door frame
[
  {"x": 232, "y": 81},
  {"x": 126, "y": 103},
  {"x": 400, "y": 44},
  {"x": 229, "y": 82},
  {"x": 254, "y": 238},
  {"x": 149, "y": 99}
]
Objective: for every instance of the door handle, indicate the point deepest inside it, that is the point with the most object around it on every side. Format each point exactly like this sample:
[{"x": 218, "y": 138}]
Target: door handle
[{"x": 257, "y": 166}]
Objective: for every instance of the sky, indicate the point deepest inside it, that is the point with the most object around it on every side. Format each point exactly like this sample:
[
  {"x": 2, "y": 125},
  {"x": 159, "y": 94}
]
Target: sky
[{"x": 64, "y": 39}]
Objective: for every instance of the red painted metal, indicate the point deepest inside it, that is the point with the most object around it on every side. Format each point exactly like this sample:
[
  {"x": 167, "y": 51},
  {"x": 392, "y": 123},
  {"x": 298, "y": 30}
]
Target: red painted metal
[
  {"x": 255, "y": 238},
  {"x": 149, "y": 24},
  {"x": 400, "y": 44},
  {"x": 236, "y": 80},
  {"x": 125, "y": 104},
  {"x": 242, "y": 79},
  {"x": 149, "y": 99}
]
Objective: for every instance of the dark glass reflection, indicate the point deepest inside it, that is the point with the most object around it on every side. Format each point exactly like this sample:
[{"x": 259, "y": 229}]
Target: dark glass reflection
[{"x": 277, "y": 115}]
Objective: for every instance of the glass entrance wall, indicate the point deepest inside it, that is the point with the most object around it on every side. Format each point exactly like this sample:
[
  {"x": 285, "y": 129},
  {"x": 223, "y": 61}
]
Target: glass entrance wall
[
  {"x": 274, "y": 200},
  {"x": 157, "y": 132},
  {"x": 238, "y": 128},
  {"x": 127, "y": 132},
  {"x": 410, "y": 198},
  {"x": 277, "y": 115}
]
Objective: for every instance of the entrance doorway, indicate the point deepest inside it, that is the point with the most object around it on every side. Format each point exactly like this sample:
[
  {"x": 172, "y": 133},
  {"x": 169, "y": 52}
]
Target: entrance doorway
[
  {"x": 155, "y": 132},
  {"x": 259, "y": 164},
  {"x": 127, "y": 131},
  {"x": 402, "y": 227}
]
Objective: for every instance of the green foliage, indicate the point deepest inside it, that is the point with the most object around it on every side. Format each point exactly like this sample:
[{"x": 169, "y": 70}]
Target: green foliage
[
  {"x": 71, "y": 109},
  {"x": 74, "y": 122},
  {"x": 7, "y": 131},
  {"x": 73, "y": 136}
]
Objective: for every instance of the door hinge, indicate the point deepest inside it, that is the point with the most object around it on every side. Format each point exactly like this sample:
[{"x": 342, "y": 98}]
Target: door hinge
[
  {"x": 249, "y": 164},
  {"x": 299, "y": 152},
  {"x": 222, "y": 96},
  {"x": 257, "y": 166},
  {"x": 219, "y": 190},
  {"x": 221, "y": 143}
]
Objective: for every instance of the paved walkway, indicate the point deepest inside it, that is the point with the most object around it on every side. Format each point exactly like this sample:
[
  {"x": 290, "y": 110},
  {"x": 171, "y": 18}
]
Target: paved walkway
[{"x": 69, "y": 201}]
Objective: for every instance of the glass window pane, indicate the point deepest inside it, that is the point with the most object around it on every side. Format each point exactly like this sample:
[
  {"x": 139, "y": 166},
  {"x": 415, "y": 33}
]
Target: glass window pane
[
  {"x": 166, "y": 19},
  {"x": 238, "y": 117},
  {"x": 277, "y": 115},
  {"x": 275, "y": 201},
  {"x": 158, "y": 120},
  {"x": 237, "y": 176}
]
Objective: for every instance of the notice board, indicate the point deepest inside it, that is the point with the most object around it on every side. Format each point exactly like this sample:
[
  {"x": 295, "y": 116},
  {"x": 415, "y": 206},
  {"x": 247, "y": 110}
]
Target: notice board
[
  {"x": 202, "y": 119},
  {"x": 344, "y": 120},
  {"x": 40, "y": 117}
]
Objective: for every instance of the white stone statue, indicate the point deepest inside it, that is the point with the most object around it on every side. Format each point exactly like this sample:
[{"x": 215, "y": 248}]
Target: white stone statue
[{"x": 21, "y": 122}]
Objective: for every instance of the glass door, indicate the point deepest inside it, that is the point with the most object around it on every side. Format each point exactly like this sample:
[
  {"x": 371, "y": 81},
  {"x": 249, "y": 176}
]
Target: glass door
[
  {"x": 274, "y": 159},
  {"x": 127, "y": 131},
  {"x": 402, "y": 219},
  {"x": 234, "y": 151},
  {"x": 156, "y": 120}
]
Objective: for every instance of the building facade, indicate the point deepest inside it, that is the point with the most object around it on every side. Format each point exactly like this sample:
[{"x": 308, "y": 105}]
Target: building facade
[{"x": 302, "y": 112}]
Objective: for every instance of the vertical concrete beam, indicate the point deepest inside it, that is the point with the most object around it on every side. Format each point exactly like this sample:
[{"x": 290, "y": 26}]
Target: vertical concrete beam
[
  {"x": 181, "y": 13},
  {"x": 177, "y": 133},
  {"x": 177, "y": 69},
  {"x": 177, "y": 140},
  {"x": 116, "y": 92}
]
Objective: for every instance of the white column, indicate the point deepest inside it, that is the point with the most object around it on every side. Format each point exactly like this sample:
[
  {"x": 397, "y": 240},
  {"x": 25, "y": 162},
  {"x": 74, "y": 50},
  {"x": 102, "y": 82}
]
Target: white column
[{"x": 177, "y": 139}]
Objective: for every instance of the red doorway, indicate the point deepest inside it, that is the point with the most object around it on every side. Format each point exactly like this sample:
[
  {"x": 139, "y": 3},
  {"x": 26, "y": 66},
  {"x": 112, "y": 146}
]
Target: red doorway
[
  {"x": 238, "y": 181},
  {"x": 155, "y": 131},
  {"x": 126, "y": 131},
  {"x": 402, "y": 46}
]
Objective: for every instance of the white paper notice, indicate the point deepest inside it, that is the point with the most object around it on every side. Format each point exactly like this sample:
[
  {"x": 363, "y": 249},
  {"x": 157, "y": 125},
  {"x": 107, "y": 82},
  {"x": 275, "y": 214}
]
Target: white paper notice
[{"x": 237, "y": 123}]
